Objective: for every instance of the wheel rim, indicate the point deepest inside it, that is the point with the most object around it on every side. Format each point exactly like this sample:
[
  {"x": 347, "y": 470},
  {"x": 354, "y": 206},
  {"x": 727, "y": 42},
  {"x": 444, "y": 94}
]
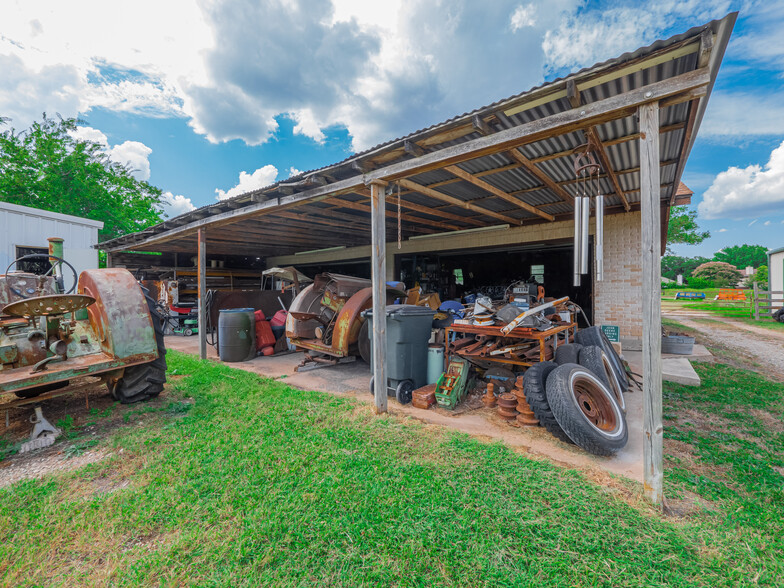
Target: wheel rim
[{"x": 596, "y": 405}]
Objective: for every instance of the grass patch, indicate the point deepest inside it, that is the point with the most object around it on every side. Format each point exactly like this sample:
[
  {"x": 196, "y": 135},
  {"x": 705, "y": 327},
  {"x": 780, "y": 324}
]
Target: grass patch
[{"x": 256, "y": 483}]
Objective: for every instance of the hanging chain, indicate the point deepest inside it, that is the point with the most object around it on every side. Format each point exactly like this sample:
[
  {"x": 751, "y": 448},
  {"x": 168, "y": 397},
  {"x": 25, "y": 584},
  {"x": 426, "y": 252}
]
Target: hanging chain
[{"x": 399, "y": 224}]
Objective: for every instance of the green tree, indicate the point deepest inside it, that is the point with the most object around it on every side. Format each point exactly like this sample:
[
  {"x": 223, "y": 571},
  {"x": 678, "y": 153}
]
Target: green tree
[
  {"x": 761, "y": 277},
  {"x": 672, "y": 265},
  {"x": 744, "y": 255},
  {"x": 46, "y": 167},
  {"x": 683, "y": 227},
  {"x": 720, "y": 274}
]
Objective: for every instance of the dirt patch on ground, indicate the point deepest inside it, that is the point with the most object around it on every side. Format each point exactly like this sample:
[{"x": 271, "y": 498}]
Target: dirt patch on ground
[{"x": 86, "y": 418}]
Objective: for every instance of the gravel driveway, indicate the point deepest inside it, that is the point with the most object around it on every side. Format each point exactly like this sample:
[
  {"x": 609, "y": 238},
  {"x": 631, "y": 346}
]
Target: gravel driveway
[{"x": 762, "y": 346}]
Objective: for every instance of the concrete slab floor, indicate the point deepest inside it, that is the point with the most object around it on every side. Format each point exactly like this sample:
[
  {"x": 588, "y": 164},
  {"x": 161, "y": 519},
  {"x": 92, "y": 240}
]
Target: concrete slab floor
[{"x": 353, "y": 379}]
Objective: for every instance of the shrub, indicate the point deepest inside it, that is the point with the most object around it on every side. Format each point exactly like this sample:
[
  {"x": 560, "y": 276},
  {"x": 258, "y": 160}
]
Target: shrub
[
  {"x": 720, "y": 274},
  {"x": 699, "y": 283},
  {"x": 670, "y": 285}
]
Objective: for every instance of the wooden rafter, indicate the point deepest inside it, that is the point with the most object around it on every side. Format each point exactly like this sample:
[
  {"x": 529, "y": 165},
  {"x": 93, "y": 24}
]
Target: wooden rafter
[
  {"x": 593, "y": 137},
  {"x": 479, "y": 183},
  {"x": 413, "y": 186},
  {"x": 432, "y": 212},
  {"x": 541, "y": 175},
  {"x": 391, "y": 213}
]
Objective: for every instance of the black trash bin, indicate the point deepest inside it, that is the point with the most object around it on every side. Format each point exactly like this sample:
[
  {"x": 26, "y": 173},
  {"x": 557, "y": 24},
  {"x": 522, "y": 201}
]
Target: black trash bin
[{"x": 408, "y": 333}]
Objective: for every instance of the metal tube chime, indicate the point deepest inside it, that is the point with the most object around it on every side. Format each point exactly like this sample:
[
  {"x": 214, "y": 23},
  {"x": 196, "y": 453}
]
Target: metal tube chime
[
  {"x": 599, "y": 240},
  {"x": 578, "y": 240},
  {"x": 584, "y": 232}
]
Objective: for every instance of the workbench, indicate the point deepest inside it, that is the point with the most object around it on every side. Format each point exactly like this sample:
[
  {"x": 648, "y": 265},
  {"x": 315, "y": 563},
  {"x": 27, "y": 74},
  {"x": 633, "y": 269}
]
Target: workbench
[{"x": 565, "y": 332}]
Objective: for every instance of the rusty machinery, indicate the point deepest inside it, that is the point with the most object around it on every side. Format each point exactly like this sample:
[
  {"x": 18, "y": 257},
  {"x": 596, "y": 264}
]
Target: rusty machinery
[
  {"x": 108, "y": 328},
  {"x": 326, "y": 318}
]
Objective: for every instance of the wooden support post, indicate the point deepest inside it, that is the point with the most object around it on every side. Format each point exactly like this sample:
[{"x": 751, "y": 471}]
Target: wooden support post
[
  {"x": 756, "y": 301},
  {"x": 201, "y": 272},
  {"x": 379, "y": 274},
  {"x": 109, "y": 260},
  {"x": 650, "y": 206}
]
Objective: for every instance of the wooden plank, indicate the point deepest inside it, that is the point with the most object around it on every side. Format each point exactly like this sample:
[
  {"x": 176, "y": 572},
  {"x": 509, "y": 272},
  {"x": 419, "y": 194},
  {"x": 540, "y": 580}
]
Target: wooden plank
[
  {"x": 684, "y": 153},
  {"x": 650, "y": 205},
  {"x": 202, "y": 292},
  {"x": 457, "y": 202},
  {"x": 593, "y": 136},
  {"x": 464, "y": 175},
  {"x": 378, "y": 263},
  {"x": 541, "y": 176}
]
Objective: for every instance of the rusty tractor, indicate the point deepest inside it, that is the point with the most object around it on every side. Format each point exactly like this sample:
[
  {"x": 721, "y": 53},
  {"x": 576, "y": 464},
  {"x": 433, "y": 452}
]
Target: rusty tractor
[{"x": 108, "y": 328}]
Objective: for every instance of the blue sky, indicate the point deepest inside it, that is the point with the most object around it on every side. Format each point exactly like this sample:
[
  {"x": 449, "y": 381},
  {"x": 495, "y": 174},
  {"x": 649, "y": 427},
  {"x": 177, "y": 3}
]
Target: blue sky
[{"x": 207, "y": 100}]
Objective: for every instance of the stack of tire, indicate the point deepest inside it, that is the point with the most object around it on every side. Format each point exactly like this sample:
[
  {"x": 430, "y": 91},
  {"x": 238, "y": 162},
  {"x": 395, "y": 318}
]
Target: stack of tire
[{"x": 579, "y": 396}]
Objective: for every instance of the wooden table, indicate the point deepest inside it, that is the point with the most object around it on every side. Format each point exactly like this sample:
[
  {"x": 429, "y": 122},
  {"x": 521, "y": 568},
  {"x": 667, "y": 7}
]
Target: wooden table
[{"x": 566, "y": 332}]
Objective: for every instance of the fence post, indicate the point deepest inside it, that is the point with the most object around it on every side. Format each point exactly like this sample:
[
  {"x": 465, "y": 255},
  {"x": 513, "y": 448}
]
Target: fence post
[{"x": 756, "y": 301}]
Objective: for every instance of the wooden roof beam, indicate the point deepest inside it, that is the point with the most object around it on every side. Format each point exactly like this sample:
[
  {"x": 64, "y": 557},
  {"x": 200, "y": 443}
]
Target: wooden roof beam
[
  {"x": 541, "y": 175},
  {"x": 464, "y": 175},
  {"x": 457, "y": 202},
  {"x": 593, "y": 137},
  {"x": 391, "y": 213}
]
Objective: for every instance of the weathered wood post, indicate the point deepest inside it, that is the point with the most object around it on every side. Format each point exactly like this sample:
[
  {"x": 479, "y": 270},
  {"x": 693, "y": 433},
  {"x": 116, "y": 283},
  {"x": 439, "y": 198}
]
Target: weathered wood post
[
  {"x": 201, "y": 272},
  {"x": 756, "y": 301},
  {"x": 379, "y": 273},
  {"x": 650, "y": 206}
]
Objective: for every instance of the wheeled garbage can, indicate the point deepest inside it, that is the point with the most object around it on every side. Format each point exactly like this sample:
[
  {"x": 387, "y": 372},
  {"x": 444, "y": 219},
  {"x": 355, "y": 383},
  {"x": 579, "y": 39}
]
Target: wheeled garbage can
[{"x": 408, "y": 333}]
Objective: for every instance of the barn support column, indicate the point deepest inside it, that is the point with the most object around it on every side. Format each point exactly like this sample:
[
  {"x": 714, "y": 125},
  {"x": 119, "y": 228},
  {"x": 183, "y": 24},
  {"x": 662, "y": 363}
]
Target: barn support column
[
  {"x": 650, "y": 205},
  {"x": 378, "y": 262},
  {"x": 202, "y": 279}
]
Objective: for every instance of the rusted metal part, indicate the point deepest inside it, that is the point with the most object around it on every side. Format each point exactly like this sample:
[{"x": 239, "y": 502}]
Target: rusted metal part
[
  {"x": 594, "y": 403},
  {"x": 489, "y": 398},
  {"x": 120, "y": 316},
  {"x": 12, "y": 380},
  {"x": 424, "y": 397},
  {"x": 48, "y": 305}
]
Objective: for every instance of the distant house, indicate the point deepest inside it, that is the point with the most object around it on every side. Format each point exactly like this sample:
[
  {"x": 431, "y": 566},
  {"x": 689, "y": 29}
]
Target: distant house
[
  {"x": 24, "y": 230},
  {"x": 776, "y": 275}
]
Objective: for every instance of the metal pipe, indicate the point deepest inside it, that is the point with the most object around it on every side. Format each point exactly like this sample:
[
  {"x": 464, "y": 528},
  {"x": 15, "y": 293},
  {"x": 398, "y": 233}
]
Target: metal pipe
[
  {"x": 578, "y": 206},
  {"x": 599, "y": 240},
  {"x": 584, "y": 230}
]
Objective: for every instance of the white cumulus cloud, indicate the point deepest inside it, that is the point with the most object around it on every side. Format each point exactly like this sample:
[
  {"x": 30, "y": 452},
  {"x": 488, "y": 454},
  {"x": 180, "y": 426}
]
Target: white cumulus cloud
[
  {"x": 747, "y": 192},
  {"x": 132, "y": 154},
  {"x": 176, "y": 205},
  {"x": 293, "y": 171},
  {"x": 523, "y": 16},
  {"x": 722, "y": 230},
  {"x": 308, "y": 125},
  {"x": 264, "y": 176}
]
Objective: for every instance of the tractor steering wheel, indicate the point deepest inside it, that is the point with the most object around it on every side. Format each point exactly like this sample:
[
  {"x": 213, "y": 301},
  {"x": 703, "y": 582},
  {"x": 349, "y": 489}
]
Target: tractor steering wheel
[{"x": 39, "y": 256}]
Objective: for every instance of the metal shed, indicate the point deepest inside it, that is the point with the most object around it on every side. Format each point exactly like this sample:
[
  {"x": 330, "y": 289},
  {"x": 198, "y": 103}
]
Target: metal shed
[{"x": 508, "y": 164}]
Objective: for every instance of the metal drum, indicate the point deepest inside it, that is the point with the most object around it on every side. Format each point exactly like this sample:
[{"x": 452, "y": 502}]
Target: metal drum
[{"x": 236, "y": 334}]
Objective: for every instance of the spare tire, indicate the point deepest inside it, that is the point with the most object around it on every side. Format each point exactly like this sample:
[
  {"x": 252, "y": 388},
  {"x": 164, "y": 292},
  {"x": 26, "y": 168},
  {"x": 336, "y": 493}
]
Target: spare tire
[
  {"x": 363, "y": 342},
  {"x": 595, "y": 336},
  {"x": 586, "y": 410},
  {"x": 593, "y": 358},
  {"x": 534, "y": 382},
  {"x": 568, "y": 353}
]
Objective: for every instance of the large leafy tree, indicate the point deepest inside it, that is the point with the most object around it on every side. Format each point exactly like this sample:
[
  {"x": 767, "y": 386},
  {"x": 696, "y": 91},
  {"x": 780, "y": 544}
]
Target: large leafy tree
[
  {"x": 720, "y": 274},
  {"x": 46, "y": 167},
  {"x": 683, "y": 227},
  {"x": 672, "y": 265},
  {"x": 744, "y": 255}
]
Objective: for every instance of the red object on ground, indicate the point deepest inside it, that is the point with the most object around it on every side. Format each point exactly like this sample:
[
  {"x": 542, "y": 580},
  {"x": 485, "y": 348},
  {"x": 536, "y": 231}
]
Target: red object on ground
[
  {"x": 279, "y": 319},
  {"x": 264, "y": 335},
  {"x": 259, "y": 314},
  {"x": 268, "y": 350}
]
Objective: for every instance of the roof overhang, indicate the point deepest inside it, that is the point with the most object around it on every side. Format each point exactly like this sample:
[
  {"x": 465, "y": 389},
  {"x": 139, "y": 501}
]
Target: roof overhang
[{"x": 509, "y": 162}]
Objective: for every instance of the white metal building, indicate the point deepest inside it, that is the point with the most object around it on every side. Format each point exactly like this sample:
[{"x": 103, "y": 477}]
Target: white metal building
[
  {"x": 776, "y": 275},
  {"x": 24, "y": 230}
]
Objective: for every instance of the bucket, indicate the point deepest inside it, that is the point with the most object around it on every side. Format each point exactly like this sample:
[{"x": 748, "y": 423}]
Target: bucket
[
  {"x": 435, "y": 363},
  {"x": 236, "y": 334},
  {"x": 677, "y": 345}
]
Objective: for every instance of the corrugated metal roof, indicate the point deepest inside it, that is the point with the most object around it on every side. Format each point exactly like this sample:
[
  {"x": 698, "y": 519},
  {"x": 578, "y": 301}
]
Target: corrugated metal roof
[{"x": 623, "y": 156}]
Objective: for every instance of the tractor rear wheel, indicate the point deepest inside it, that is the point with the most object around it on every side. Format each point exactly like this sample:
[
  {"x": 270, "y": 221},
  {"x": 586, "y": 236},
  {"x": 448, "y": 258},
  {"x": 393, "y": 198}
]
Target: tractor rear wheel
[{"x": 144, "y": 381}]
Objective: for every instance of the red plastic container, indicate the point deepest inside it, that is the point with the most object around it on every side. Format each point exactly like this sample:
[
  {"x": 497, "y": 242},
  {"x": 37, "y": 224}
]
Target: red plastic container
[
  {"x": 279, "y": 320},
  {"x": 264, "y": 334}
]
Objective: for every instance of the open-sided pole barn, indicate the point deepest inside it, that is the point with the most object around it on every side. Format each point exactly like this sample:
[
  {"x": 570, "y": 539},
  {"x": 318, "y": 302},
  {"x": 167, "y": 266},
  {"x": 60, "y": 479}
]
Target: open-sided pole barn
[{"x": 498, "y": 176}]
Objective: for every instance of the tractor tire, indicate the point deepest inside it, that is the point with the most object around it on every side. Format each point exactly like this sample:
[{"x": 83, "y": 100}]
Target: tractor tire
[
  {"x": 144, "y": 381},
  {"x": 363, "y": 342},
  {"x": 587, "y": 410},
  {"x": 568, "y": 353},
  {"x": 595, "y": 336},
  {"x": 594, "y": 359},
  {"x": 534, "y": 387},
  {"x": 38, "y": 390},
  {"x": 779, "y": 316}
]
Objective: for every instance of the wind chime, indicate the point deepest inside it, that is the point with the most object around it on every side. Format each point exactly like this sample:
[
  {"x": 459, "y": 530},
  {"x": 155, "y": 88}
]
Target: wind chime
[{"x": 586, "y": 173}]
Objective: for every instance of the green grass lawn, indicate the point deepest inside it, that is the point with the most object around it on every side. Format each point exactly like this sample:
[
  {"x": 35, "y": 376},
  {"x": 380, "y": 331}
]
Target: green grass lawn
[{"x": 262, "y": 484}]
